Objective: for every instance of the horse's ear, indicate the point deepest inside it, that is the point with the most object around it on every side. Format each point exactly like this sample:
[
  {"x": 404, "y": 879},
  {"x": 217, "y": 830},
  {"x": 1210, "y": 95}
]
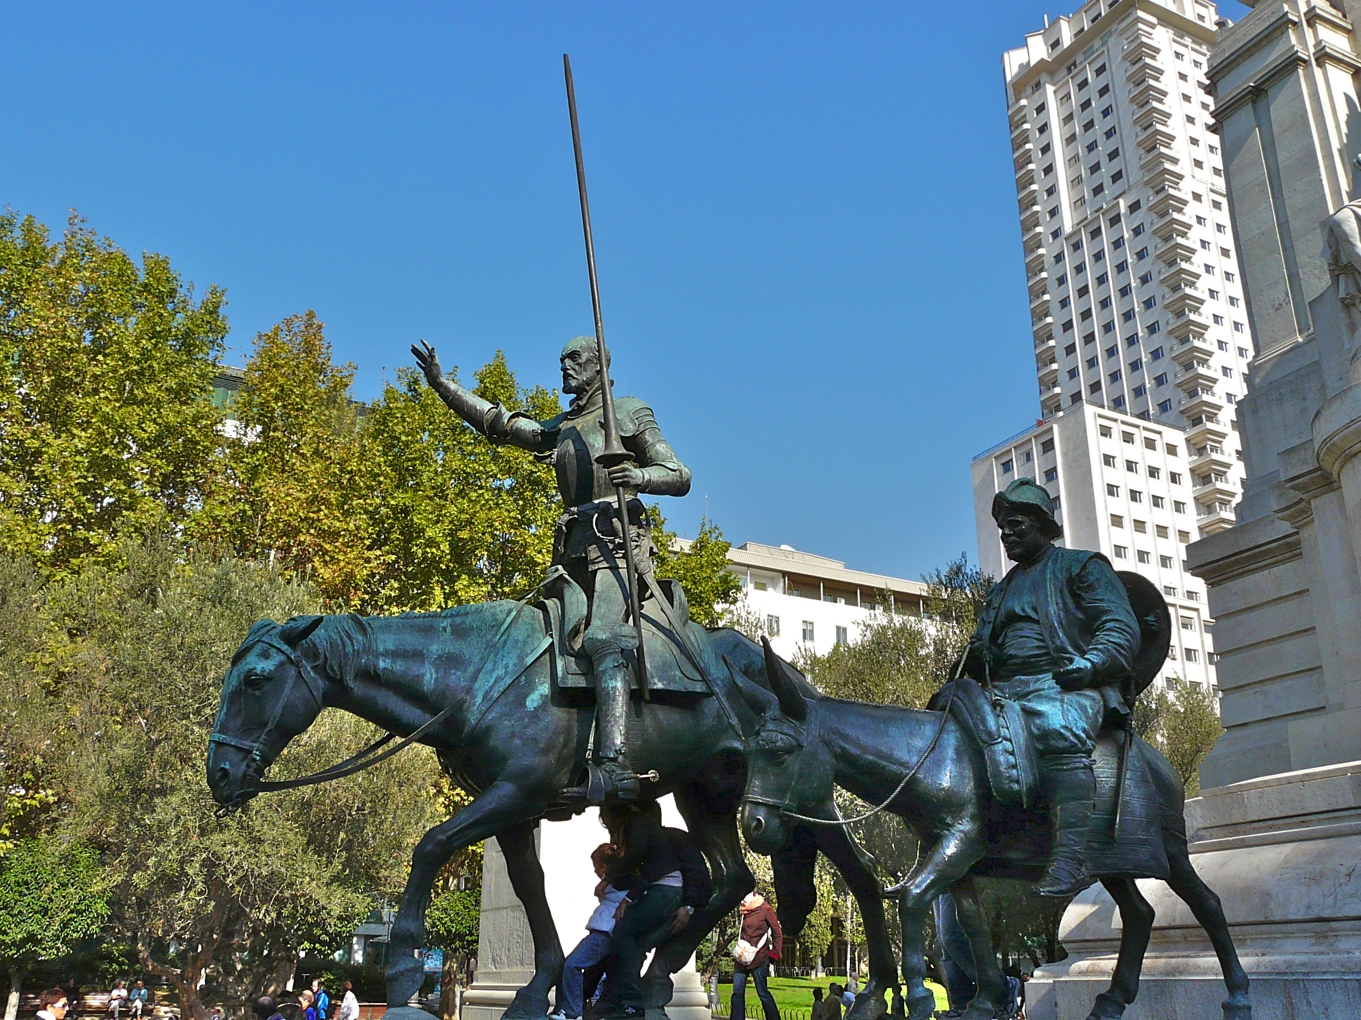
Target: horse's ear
[
  {"x": 299, "y": 629},
  {"x": 784, "y": 682}
]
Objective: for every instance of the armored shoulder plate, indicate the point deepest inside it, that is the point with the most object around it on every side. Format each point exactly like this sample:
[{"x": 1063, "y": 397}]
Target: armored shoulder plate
[{"x": 632, "y": 415}]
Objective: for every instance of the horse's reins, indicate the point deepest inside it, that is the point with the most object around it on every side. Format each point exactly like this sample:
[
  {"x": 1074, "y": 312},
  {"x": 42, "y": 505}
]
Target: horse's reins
[
  {"x": 366, "y": 757},
  {"x": 783, "y": 808}
]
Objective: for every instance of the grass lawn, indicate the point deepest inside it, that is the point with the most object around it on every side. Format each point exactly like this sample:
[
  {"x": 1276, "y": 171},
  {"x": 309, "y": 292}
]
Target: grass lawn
[{"x": 794, "y": 996}]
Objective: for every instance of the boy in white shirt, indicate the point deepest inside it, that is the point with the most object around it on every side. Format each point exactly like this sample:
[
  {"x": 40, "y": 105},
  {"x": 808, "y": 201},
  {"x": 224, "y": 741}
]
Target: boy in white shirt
[{"x": 597, "y": 943}]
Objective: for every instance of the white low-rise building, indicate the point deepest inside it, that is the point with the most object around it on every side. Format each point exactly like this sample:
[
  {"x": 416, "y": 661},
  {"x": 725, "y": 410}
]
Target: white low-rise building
[
  {"x": 1121, "y": 485},
  {"x": 805, "y": 600}
]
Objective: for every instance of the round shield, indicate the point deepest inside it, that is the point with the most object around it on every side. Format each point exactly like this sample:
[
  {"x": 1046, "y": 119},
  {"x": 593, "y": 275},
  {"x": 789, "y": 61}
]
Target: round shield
[{"x": 1155, "y": 630}]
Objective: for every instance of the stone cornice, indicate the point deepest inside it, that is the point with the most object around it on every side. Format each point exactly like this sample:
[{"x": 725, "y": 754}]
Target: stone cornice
[
  {"x": 1063, "y": 57},
  {"x": 1327, "y": 53},
  {"x": 1272, "y": 553},
  {"x": 1326, "y": 15},
  {"x": 1233, "y": 51}
]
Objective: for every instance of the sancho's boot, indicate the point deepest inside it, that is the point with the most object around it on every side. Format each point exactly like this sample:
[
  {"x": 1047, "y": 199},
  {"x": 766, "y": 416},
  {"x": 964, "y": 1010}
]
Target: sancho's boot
[
  {"x": 611, "y": 778},
  {"x": 1071, "y": 786}
]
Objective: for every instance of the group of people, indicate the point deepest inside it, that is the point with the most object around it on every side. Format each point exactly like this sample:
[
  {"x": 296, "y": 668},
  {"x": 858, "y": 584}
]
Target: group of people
[
  {"x": 134, "y": 999},
  {"x": 312, "y": 1003},
  {"x": 652, "y": 879}
]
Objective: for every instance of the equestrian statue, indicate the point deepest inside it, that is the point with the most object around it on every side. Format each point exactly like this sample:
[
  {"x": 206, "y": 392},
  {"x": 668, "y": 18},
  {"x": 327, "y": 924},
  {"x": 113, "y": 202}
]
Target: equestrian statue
[{"x": 1024, "y": 766}]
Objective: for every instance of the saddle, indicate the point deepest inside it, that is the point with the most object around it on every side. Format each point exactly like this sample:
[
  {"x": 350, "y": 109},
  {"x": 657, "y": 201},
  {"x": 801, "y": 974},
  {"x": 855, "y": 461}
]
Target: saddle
[
  {"x": 669, "y": 669},
  {"x": 998, "y": 728}
]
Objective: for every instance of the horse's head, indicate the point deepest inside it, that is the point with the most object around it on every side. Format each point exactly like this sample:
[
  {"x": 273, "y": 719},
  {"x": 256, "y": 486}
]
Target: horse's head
[
  {"x": 788, "y": 769},
  {"x": 271, "y": 694}
]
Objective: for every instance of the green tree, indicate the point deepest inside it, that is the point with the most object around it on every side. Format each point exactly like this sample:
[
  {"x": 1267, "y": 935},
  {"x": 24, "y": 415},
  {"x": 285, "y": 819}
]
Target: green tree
[
  {"x": 105, "y": 376},
  {"x": 285, "y": 491},
  {"x": 701, "y": 566},
  {"x": 129, "y": 676},
  {"x": 50, "y": 900},
  {"x": 1182, "y": 721}
]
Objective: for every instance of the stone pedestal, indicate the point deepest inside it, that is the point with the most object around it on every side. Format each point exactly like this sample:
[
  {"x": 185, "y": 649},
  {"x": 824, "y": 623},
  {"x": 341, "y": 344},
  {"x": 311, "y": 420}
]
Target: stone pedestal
[
  {"x": 505, "y": 954},
  {"x": 1284, "y": 854}
]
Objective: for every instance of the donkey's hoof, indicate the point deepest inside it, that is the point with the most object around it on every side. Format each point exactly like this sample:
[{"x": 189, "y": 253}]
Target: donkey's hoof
[
  {"x": 1238, "y": 1011},
  {"x": 1106, "y": 1007}
]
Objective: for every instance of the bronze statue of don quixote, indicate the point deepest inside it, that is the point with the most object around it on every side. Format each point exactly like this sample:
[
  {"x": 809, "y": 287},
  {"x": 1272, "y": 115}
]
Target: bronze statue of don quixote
[{"x": 597, "y": 688}]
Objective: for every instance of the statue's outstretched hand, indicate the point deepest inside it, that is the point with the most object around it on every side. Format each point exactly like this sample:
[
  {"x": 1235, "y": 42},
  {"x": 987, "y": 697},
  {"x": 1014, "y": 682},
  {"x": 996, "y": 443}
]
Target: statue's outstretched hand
[{"x": 428, "y": 361}]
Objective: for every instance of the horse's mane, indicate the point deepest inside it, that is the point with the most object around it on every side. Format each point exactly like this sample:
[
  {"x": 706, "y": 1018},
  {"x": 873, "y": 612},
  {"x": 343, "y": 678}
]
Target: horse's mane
[{"x": 336, "y": 648}]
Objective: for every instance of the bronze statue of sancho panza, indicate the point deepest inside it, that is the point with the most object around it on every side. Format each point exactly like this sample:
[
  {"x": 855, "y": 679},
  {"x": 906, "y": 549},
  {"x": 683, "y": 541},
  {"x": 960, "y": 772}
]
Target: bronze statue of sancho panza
[
  {"x": 588, "y": 542},
  {"x": 1058, "y": 636}
]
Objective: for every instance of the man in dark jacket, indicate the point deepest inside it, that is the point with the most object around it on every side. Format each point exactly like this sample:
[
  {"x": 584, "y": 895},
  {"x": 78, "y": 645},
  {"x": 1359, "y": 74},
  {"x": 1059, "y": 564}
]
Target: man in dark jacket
[
  {"x": 761, "y": 928},
  {"x": 1057, "y": 636},
  {"x": 648, "y": 871}
]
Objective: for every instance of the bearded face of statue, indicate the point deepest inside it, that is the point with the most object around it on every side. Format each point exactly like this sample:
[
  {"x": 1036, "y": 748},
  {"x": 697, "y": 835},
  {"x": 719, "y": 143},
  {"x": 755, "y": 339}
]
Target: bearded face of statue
[{"x": 580, "y": 367}]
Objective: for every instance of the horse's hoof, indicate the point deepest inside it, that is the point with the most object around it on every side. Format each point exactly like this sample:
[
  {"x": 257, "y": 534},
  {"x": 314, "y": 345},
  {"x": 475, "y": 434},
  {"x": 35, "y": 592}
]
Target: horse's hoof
[{"x": 1237, "y": 1011}]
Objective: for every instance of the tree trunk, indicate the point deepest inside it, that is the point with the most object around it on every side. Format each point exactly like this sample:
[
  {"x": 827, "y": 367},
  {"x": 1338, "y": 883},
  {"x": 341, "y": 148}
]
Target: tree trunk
[{"x": 16, "y": 984}]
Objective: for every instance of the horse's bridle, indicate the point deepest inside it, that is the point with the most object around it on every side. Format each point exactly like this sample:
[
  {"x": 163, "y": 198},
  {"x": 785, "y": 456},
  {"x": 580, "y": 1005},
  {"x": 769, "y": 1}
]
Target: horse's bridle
[{"x": 301, "y": 668}]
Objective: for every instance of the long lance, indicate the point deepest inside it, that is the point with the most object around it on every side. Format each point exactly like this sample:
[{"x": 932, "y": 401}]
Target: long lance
[{"x": 614, "y": 452}]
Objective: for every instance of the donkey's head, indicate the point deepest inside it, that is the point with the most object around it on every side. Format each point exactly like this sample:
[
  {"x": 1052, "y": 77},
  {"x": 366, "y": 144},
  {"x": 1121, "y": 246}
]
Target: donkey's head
[
  {"x": 271, "y": 694},
  {"x": 788, "y": 768}
]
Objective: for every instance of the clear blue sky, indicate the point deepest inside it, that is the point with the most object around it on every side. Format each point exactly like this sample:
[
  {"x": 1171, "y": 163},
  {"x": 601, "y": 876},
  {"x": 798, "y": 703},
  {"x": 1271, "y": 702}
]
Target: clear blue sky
[{"x": 805, "y": 216}]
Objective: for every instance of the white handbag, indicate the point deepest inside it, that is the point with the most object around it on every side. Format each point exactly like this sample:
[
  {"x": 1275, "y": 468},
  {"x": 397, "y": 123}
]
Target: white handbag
[{"x": 744, "y": 952}]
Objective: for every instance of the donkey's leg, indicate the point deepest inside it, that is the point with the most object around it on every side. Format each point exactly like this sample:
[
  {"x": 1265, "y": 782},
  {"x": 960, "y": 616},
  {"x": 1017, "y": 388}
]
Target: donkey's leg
[
  {"x": 994, "y": 990},
  {"x": 1204, "y": 903},
  {"x": 1136, "y": 921},
  {"x": 526, "y": 878},
  {"x": 844, "y": 853},
  {"x": 500, "y": 806},
  {"x": 954, "y": 853}
]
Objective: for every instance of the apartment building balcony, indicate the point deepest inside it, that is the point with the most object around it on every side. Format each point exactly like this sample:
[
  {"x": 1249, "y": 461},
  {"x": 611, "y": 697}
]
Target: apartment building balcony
[
  {"x": 1174, "y": 221},
  {"x": 1182, "y": 273},
  {"x": 1176, "y": 248},
  {"x": 1139, "y": 29},
  {"x": 1156, "y": 134},
  {"x": 1185, "y": 324},
  {"x": 1034, "y": 260},
  {"x": 1042, "y": 326},
  {"x": 1032, "y": 235},
  {"x": 1030, "y": 216},
  {"x": 1019, "y": 110},
  {"x": 1039, "y": 304},
  {"x": 1148, "y": 90},
  {"x": 1200, "y": 402},
  {"x": 1210, "y": 458},
  {"x": 1213, "y": 489},
  {"x": 1049, "y": 376},
  {"x": 1197, "y": 375},
  {"x": 1142, "y": 63},
  {"x": 1045, "y": 345},
  {"x": 1167, "y": 199},
  {"x": 1165, "y": 176},
  {"x": 1184, "y": 299},
  {"x": 1024, "y": 154},
  {"x": 1142, "y": 48},
  {"x": 1209, "y": 429},
  {"x": 1028, "y": 196},
  {"x": 1215, "y": 520},
  {"x": 1157, "y": 157},
  {"x": 1025, "y": 176},
  {"x": 1193, "y": 348},
  {"x": 1051, "y": 399},
  {"x": 1151, "y": 113},
  {"x": 1038, "y": 283}
]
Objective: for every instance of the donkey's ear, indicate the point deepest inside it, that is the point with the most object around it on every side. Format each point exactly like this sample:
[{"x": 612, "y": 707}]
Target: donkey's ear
[
  {"x": 784, "y": 682},
  {"x": 299, "y": 629},
  {"x": 757, "y": 698}
]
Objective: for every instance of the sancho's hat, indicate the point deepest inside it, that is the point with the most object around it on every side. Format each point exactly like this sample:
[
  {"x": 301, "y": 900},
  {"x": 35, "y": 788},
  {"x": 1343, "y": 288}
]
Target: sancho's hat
[{"x": 1030, "y": 497}]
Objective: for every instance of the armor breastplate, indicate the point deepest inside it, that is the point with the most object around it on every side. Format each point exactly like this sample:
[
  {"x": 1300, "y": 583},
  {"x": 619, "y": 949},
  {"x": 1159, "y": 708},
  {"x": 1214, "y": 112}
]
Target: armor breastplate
[{"x": 580, "y": 479}]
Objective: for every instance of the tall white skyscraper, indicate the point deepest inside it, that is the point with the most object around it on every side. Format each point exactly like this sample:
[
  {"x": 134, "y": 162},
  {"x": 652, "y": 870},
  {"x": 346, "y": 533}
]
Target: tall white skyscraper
[{"x": 1135, "y": 292}]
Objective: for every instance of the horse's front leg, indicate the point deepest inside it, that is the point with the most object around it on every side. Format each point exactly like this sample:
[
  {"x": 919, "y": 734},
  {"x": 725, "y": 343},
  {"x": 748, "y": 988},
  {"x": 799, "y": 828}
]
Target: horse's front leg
[
  {"x": 835, "y": 842},
  {"x": 501, "y": 806},
  {"x": 948, "y": 861},
  {"x": 993, "y": 997},
  {"x": 526, "y": 878}
]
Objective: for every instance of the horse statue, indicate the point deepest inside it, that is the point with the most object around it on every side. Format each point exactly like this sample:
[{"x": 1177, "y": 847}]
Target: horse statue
[
  {"x": 489, "y": 686},
  {"x": 923, "y": 767}
]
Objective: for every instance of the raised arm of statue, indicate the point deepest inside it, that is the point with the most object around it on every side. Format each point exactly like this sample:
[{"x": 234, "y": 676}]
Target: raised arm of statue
[{"x": 491, "y": 420}]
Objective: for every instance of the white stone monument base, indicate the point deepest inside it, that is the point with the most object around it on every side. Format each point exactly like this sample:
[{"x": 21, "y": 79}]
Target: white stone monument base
[
  {"x": 505, "y": 954},
  {"x": 1284, "y": 855}
]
